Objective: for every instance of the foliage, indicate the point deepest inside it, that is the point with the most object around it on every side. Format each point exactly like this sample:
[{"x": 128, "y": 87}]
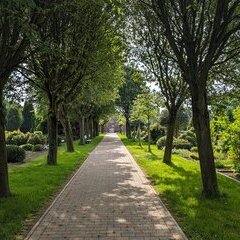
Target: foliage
[
  {"x": 16, "y": 138},
  {"x": 15, "y": 154},
  {"x": 194, "y": 149},
  {"x": 189, "y": 136},
  {"x": 27, "y": 147},
  {"x": 28, "y": 114},
  {"x": 156, "y": 132},
  {"x": 37, "y": 138},
  {"x": 37, "y": 148},
  {"x": 161, "y": 142},
  {"x": 179, "y": 143},
  {"x": 13, "y": 118},
  {"x": 33, "y": 184},
  {"x": 179, "y": 184}
]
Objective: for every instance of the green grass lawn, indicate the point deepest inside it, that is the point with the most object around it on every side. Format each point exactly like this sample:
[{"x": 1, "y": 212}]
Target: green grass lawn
[
  {"x": 179, "y": 186},
  {"x": 33, "y": 183}
]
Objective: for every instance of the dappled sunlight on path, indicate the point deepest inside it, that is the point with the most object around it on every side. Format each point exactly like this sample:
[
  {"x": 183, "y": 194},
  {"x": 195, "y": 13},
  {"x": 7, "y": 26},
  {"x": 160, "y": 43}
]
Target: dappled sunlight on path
[{"x": 108, "y": 198}]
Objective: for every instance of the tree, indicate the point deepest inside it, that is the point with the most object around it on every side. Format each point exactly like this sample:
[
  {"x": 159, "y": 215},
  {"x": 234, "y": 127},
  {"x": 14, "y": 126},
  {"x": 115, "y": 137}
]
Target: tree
[
  {"x": 16, "y": 30},
  {"x": 67, "y": 45},
  {"x": 153, "y": 51},
  {"x": 144, "y": 109},
  {"x": 14, "y": 118},
  {"x": 28, "y": 124},
  {"x": 201, "y": 34},
  {"x": 127, "y": 94}
]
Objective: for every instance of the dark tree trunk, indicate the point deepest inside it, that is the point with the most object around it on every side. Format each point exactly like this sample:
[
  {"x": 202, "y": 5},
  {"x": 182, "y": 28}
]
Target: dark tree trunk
[
  {"x": 149, "y": 135},
  {"x": 167, "y": 158},
  {"x": 4, "y": 183},
  {"x": 96, "y": 127},
  {"x": 82, "y": 131},
  {"x": 202, "y": 128},
  {"x": 52, "y": 134},
  {"x": 67, "y": 129},
  {"x": 92, "y": 132},
  {"x": 139, "y": 134},
  {"x": 128, "y": 127},
  {"x": 87, "y": 128}
]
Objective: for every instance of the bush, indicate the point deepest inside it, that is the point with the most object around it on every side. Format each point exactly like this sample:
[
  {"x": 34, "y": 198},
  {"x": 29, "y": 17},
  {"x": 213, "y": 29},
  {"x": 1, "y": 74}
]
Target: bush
[
  {"x": 194, "y": 149},
  {"x": 219, "y": 164},
  {"x": 27, "y": 147},
  {"x": 161, "y": 142},
  {"x": 15, "y": 153},
  {"x": 36, "y": 138},
  {"x": 16, "y": 138},
  {"x": 181, "y": 144},
  {"x": 190, "y": 136},
  {"x": 38, "y": 148},
  {"x": 156, "y": 132}
]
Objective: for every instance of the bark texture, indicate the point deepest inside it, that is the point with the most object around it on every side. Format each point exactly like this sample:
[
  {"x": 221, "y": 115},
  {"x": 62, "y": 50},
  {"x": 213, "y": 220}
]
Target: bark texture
[
  {"x": 167, "y": 158},
  {"x": 202, "y": 128},
  {"x": 82, "y": 131},
  {"x": 52, "y": 133},
  {"x": 4, "y": 183},
  {"x": 128, "y": 127}
]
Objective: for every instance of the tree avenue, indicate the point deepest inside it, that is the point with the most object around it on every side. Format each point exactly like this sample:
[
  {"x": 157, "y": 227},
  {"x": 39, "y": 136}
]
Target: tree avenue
[
  {"x": 56, "y": 47},
  {"x": 201, "y": 34}
]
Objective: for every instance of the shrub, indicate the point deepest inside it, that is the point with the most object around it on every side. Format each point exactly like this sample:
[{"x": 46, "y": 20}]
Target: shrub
[
  {"x": 16, "y": 138},
  {"x": 15, "y": 153},
  {"x": 219, "y": 164},
  {"x": 27, "y": 147},
  {"x": 38, "y": 148},
  {"x": 194, "y": 149},
  {"x": 190, "y": 136},
  {"x": 194, "y": 156},
  {"x": 181, "y": 144},
  {"x": 156, "y": 132},
  {"x": 161, "y": 142},
  {"x": 36, "y": 138}
]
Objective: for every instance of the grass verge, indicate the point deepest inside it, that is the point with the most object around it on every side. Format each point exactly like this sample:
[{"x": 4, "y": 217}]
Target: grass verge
[
  {"x": 179, "y": 186},
  {"x": 33, "y": 183}
]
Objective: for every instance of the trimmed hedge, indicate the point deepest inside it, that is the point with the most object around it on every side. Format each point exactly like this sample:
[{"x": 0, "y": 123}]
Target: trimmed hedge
[
  {"x": 37, "y": 148},
  {"x": 177, "y": 143},
  {"x": 15, "y": 153},
  {"x": 27, "y": 147},
  {"x": 36, "y": 138}
]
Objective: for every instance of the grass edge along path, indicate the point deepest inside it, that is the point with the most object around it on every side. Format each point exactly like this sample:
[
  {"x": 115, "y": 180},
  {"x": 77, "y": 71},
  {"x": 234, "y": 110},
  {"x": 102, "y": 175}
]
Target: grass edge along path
[
  {"x": 34, "y": 183},
  {"x": 179, "y": 186}
]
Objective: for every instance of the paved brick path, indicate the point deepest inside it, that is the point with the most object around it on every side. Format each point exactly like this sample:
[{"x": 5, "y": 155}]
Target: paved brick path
[{"x": 108, "y": 198}]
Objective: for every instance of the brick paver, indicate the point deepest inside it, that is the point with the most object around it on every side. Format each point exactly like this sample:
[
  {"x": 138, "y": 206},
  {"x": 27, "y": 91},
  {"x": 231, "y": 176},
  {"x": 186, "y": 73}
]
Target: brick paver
[{"x": 108, "y": 198}]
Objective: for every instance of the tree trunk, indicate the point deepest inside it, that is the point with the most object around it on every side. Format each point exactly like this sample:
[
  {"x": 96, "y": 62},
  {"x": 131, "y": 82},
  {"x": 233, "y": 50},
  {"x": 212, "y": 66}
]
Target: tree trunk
[
  {"x": 202, "y": 128},
  {"x": 4, "y": 182},
  {"x": 88, "y": 127},
  {"x": 149, "y": 135},
  {"x": 92, "y": 132},
  {"x": 167, "y": 158},
  {"x": 139, "y": 134},
  {"x": 96, "y": 127},
  {"x": 128, "y": 127},
  {"x": 52, "y": 134},
  {"x": 67, "y": 129},
  {"x": 82, "y": 131}
]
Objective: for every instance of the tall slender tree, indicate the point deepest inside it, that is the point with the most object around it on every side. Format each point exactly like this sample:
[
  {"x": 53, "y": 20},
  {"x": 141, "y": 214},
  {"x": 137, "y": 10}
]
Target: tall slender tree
[{"x": 28, "y": 114}]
